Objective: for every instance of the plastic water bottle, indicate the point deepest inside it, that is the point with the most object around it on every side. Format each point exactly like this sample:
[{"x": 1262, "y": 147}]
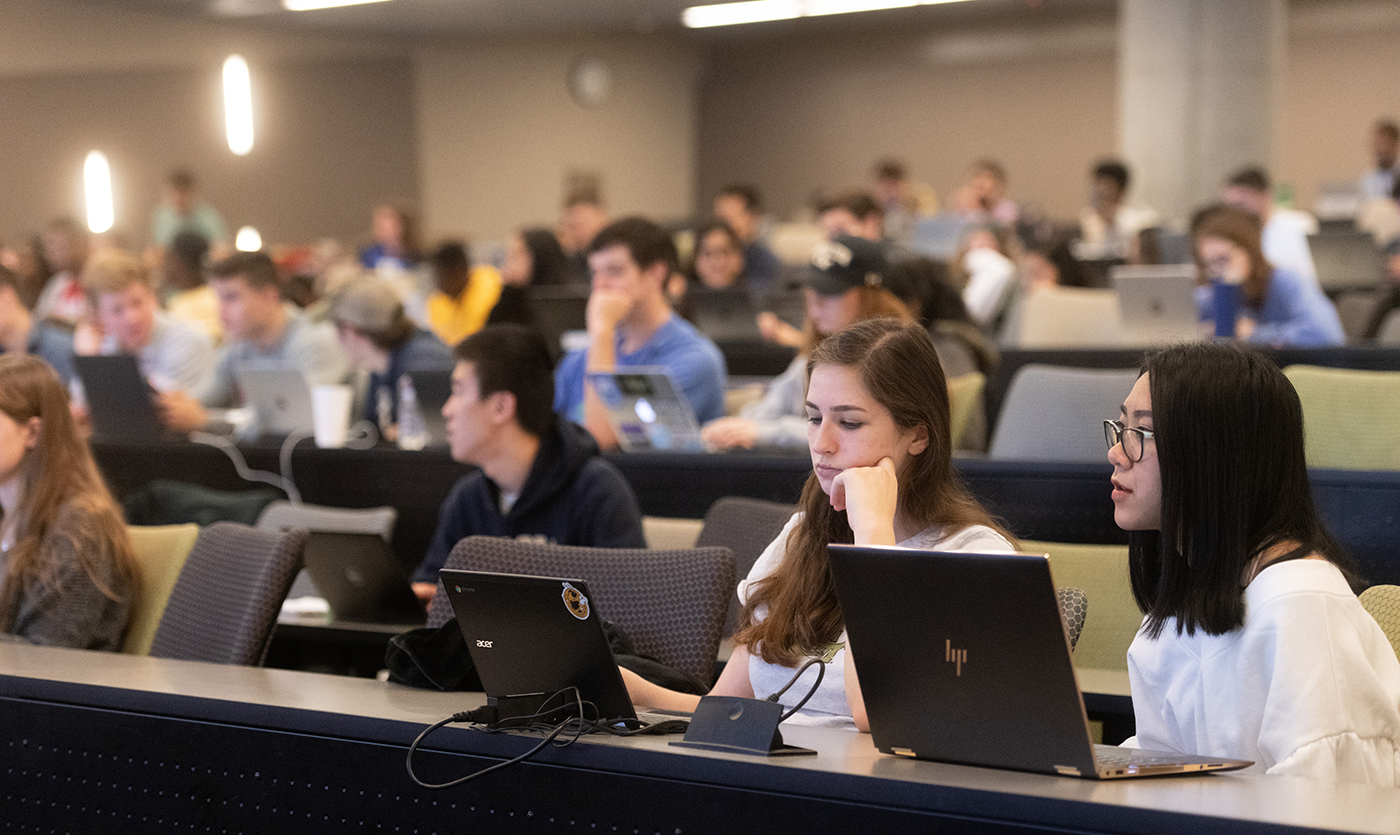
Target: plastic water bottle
[{"x": 413, "y": 433}]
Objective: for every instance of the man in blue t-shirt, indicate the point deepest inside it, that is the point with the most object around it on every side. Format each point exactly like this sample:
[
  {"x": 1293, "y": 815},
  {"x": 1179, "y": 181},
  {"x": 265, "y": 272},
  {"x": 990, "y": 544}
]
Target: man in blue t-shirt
[{"x": 630, "y": 323}]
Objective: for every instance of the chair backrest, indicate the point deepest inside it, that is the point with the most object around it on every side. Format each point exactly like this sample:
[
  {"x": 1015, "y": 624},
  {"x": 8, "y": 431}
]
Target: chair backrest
[
  {"x": 1354, "y": 308},
  {"x": 1389, "y": 332},
  {"x": 224, "y": 605},
  {"x": 1100, "y": 572},
  {"x": 1383, "y": 603},
  {"x": 745, "y": 526},
  {"x": 1070, "y": 317},
  {"x": 1053, "y": 413},
  {"x": 1074, "y": 608},
  {"x": 964, "y": 396},
  {"x": 670, "y": 603},
  {"x": 283, "y": 515},
  {"x": 665, "y": 533},
  {"x": 1352, "y": 417},
  {"x": 160, "y": 554}
]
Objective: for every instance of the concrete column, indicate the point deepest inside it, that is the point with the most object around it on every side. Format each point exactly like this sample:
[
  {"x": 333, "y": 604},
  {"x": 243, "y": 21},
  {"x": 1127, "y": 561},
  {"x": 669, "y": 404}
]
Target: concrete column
[{"x": 1199, "y": 85}]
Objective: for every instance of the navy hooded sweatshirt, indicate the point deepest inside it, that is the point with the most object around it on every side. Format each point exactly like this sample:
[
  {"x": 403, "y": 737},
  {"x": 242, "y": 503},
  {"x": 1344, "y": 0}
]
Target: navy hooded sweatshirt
[{"x": 571, "y": 497}]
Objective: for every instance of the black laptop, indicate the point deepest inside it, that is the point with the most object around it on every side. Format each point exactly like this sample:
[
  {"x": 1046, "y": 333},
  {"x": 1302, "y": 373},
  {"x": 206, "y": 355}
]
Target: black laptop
[
  {"x": 361, "y": 579},
  {"x": 964, "y": 658},
  {"x": 531, "y": 637},
  {"x": 120, "y": 402},
  {"x": 727, "y": 315}
]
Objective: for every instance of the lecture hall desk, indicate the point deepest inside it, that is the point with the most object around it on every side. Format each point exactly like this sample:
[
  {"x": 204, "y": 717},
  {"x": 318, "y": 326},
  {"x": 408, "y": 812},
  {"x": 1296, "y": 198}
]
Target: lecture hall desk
[{"x": 98, "y": 742}]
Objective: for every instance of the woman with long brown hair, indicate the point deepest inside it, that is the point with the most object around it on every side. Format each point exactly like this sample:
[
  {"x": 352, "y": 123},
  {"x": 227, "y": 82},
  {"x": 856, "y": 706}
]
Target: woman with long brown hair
[
  {"x": 878, "y": 431},
  {"x": 1280, "y": 308},
  {"x": 69, "y": 576}
]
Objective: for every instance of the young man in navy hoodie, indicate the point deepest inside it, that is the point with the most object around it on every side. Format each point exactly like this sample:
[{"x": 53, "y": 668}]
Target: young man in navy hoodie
[{"x": 541, "y": 477}]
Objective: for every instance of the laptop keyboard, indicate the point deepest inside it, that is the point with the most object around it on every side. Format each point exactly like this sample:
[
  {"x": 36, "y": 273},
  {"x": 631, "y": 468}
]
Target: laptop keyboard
[{"x": 1112, "y": 756}]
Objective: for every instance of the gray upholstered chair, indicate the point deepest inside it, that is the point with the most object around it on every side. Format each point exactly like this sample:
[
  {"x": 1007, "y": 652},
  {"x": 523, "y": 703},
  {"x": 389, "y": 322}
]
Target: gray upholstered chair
[
  {"x": 1074, "y": 608},
  {"x": 744, "y": 526},
  {"x": 671, "y": 604},
  {"x": 1052, "y": 413},
  {"x": 224, "y": 605}
]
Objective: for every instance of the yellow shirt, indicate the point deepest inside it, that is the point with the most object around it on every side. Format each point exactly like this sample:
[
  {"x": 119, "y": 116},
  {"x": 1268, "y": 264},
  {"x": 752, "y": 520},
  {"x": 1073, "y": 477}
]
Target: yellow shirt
[{"x": 454, "y": 319}]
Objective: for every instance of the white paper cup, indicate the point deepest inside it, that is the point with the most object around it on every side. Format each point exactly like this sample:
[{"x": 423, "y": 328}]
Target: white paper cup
[{"x": 330, "y": 408}]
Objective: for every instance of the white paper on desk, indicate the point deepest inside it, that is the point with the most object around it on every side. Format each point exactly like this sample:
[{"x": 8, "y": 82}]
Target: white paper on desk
[{"x": 302, "y": 606}]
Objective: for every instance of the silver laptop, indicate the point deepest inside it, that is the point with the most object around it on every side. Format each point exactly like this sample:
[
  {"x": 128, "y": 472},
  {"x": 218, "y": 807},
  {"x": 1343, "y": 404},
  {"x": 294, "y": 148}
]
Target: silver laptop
[
  {"x": 964, "y": 658},
  {"x": 1157, "y": 303},
  {"x": 647, "y": 410},
  {"x": 279, "y": 397},
  {"x": 1346, "y": 260}
]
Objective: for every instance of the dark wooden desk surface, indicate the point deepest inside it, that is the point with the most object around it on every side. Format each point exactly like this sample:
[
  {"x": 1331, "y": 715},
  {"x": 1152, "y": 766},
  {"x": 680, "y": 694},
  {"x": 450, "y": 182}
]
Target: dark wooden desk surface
[{"x": 102, "y": 742}]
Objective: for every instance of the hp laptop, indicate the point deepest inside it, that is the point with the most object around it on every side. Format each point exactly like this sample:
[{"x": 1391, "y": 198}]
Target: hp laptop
[
  {"x": 647, "y": 410},
  {"x": 279, "y": 397},
  {"x": 1157, "y": 303},
  {"x": 531, "y": 637},
  {"x": 963, "y": 658},
  {"x": 119, "y": 399},
  {"x": 361, "y": 579}
]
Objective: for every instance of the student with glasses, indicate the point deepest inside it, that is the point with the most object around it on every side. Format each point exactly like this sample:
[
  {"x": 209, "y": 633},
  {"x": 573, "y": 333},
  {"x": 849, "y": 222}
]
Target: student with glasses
[{"x": 1254, "y": 645}]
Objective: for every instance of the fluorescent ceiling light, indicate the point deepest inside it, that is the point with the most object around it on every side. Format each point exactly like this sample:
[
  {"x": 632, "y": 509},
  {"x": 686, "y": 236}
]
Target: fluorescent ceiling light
[
  {"x": 757, "y": 11},
  {"x": 97, "y": 183},
  {"x": 308, "y": 5},
  {"x": 238, "y": 105}
]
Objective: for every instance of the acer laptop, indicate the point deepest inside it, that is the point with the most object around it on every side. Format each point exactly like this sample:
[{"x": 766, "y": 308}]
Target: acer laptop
[
  {"x": 361, "y": 579},
  {"x": 531, "y": 637},
  {"x": 120, "y": 401},
  {"x": 647, "y": 410},
  {"x": 964, "y": 658},
  {"x": 1157, "y": 303},
  {"x": 279, "y": 397}
]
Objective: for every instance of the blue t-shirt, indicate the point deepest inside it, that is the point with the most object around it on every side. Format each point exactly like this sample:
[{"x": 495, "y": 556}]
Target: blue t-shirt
[
  {"x": 688, "y": 355},
  {"x": 1295, "y": 314},
  {"x": 54, "y": 346}
]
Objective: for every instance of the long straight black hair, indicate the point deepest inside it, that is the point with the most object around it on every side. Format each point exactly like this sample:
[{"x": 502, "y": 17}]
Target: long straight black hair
[{"x": 1229, "y": 438}]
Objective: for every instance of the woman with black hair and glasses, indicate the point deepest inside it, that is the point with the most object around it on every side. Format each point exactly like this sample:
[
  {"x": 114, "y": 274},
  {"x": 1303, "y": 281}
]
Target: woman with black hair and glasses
[{"x": 1254, "y": 645}]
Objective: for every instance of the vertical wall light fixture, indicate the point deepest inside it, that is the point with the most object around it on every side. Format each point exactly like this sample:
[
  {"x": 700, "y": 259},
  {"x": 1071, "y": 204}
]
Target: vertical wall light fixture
[
  {"x": 97, "y": 184},
  {"x": 238, "y": 105},
  {"x": 247, "y": 240}
]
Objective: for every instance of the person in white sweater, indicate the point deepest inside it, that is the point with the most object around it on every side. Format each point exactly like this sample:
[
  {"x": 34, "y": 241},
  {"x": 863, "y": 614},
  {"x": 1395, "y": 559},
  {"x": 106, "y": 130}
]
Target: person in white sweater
[
  {"x": 882, "y": 475},
  {"x": 1254, "y": 645}
]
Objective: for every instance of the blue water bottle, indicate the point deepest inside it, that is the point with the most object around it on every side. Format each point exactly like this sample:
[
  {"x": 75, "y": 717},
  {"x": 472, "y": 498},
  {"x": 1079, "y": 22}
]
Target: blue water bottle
[{"x": 1226, "y": 303}]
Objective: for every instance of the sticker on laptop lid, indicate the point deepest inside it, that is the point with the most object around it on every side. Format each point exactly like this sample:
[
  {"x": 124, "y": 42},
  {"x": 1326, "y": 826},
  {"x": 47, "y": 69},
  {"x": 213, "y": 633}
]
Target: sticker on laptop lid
[{"x": 576, "y": 602}]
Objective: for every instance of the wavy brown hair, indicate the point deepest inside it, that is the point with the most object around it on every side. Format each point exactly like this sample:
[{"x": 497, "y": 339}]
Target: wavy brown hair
[
  {"x": 900, "y": 369},
  {"x": 58, "y": 472},
  {"x": 1244, "y": 231}
]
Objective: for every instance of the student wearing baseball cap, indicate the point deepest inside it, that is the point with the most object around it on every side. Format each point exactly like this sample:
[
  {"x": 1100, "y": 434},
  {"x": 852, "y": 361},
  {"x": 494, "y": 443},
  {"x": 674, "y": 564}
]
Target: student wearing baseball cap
[{"x": 844, "y": 285}]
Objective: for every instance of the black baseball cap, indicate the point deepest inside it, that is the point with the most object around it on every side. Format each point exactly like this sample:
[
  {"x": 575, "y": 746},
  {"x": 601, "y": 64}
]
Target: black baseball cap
[{"x": 845, "y": 262}]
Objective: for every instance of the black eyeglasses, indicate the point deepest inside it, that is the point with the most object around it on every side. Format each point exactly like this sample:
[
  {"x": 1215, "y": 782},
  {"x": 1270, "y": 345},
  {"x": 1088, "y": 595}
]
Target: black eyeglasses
[{"x": 1134, "y": 441}]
